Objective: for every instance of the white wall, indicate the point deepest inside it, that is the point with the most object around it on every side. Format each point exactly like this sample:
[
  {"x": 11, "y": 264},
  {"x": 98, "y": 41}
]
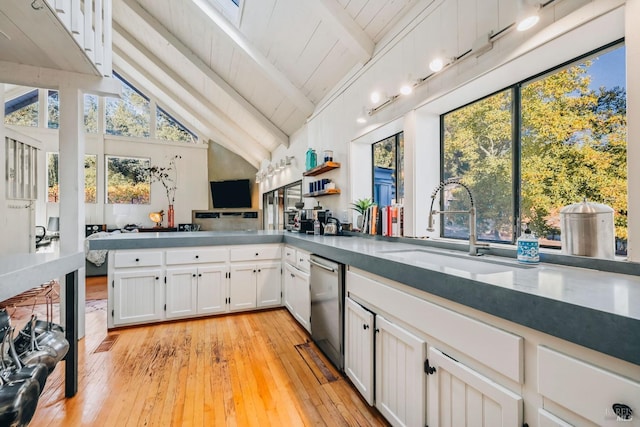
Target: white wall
[{"x": 567, "y": 30}]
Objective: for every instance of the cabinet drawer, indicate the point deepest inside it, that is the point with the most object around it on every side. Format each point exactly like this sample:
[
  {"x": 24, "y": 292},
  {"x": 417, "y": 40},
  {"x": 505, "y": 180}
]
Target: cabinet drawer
[
  {"x": 585, "y": 389},
  {"x": 124, "y": 259},
  {"x": 197, "y": 256},
  {"x": 302, "y": 260},
  {"x": 290, "y": 255},
  {"x": 252, "y": 253}
]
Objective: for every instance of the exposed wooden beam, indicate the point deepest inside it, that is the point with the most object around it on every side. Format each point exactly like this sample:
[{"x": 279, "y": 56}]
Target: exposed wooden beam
[
  {"x": 220, "y": 127},
  {"x": 275, "y": 75},
  {"x": 47, "y": 78},
  {"x": 190, "y": 57},
  {"x": 348, "y": 32}
]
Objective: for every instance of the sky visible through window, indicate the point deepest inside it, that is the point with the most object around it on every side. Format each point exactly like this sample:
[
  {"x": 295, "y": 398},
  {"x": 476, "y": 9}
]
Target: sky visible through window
[{"x": 608, "y": 70}]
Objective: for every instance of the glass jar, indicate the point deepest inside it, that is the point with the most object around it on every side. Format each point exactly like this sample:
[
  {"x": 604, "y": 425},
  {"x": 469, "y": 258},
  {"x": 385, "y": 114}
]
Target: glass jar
[
  {"x": 311, "y": 159},
  {"x": 328, "y": 156}
]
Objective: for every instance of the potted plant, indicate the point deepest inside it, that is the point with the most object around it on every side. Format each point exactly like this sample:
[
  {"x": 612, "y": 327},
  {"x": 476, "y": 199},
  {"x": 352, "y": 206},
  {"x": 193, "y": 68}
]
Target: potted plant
[{"x": 361, "y": 206}]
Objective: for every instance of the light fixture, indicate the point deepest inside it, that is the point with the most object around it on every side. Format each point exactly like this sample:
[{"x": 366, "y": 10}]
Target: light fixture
[
  {"x": 406, "y": 89},
  {"x": 436, "y": 65},
  {"x": 281, "y": 164},
  {"x": 527, "y": 16},
  {"x": 288, "y": 159},
  {"x": 361, "y": 120},
  {"x": 375, "y": 97}
]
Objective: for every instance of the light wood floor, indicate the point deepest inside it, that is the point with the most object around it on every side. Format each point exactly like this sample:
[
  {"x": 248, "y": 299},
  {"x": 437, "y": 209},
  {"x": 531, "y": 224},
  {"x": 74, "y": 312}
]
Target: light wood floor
[{"x": 253, "y": 369}]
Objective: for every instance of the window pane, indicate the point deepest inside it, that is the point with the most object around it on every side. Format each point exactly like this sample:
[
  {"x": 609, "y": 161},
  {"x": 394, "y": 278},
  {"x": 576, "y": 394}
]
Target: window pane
[
  {"x": 400, "y": 168},
  {"x": 384, "y": 169},
  {"x": 128, "y": 116},
  {"x": 574, "y": 144},
  {"x": 170, "y": 129},
  {"x": 23, "y": 110},
  {"x": 90, "y": 178},
  {"x": 53, "y": 110},
  {"x": 53, "y": 189},
  {"x": 128, "y": 180},
  {"x": 478, "y": 150},
  {"x": 90, "y": 113}
]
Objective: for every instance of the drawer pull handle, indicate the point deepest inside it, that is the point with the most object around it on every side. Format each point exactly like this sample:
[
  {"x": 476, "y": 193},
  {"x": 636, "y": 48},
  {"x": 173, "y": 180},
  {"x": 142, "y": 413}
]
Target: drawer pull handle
[{"x": 622, "y": 411}]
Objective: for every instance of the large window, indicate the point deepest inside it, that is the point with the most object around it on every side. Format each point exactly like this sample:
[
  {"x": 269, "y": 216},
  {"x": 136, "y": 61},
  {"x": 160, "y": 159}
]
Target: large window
[
  {"x": 22, "y": 110},
  {"x": 564, "y": 141},
  {"x": 90, "y": 178},
  {"x": 129, "y": 115},
  {"x": 388, "y": 172},
  {"x": 90, "y": 113},
  {"x": 53, "y": 110},
  {"x": 170, "y": 129},
  {"x": 128, "y": 180}
]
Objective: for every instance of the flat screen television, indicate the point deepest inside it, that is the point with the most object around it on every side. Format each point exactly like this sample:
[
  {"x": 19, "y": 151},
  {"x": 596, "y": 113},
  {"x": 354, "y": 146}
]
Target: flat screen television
[{"x": 231, "y": 193}]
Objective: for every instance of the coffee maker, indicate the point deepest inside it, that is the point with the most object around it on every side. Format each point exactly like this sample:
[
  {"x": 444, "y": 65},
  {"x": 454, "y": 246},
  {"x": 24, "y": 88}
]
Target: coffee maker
[{"x": 303, "y": 222}]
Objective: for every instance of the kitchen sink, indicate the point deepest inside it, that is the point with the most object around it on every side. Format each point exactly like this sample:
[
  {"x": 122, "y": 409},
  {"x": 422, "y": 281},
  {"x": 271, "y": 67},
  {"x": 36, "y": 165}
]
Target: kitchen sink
[{"x": 453, "y": 260}]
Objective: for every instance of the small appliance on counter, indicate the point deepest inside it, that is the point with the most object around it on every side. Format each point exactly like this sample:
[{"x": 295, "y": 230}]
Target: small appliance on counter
[{"x": 333, "y": 227}]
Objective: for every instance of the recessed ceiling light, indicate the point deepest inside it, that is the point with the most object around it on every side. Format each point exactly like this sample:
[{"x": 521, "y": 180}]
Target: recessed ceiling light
[
  {"x": 436, "y": 65},
  {"x": 406, "y": 89},
  {"x": 375, "y": 97}
]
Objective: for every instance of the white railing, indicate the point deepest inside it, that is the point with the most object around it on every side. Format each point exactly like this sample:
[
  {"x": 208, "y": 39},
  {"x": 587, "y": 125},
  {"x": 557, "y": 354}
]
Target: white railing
[{"x": 89, "y": 21}]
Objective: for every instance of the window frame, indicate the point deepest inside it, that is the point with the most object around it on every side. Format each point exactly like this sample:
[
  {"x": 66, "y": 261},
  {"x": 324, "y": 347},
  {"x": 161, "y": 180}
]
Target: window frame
[{"x": 516, "y": 102}]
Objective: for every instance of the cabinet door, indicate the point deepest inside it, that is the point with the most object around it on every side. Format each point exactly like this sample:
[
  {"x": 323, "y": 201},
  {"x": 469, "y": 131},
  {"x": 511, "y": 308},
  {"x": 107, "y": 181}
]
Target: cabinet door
[
  {"x": 137, "y": 296},
  {"x": 400, "y": 378},
  {"x": 303, "y": 300},
  {"x": 269, "y": 284},
  {"x": 212, "y": 289},
  {"x": 458, "y": 395},
  {"x": 288, "y": 282},
  {"x": 242, "y": 287},
  {"x": 182, "y": 292},
  {"x": 358, "y": 348}
]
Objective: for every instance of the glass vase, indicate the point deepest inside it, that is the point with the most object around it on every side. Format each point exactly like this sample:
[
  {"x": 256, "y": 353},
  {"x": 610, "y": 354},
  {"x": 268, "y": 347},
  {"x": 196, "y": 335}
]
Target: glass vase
[{"x": 170, "y": 217}]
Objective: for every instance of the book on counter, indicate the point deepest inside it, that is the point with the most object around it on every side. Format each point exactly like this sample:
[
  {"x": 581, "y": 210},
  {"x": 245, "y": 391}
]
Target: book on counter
[{"x": 384, "y": 221}]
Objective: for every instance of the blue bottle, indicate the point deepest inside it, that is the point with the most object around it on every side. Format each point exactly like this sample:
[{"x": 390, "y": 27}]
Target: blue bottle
[
  {"x": 528, "y": 248},
  {"x": 311, "y": 159}
]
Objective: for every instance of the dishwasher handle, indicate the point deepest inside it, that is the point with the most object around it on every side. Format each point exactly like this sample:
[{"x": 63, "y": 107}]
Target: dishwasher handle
[{"x": 317, "y": 264}]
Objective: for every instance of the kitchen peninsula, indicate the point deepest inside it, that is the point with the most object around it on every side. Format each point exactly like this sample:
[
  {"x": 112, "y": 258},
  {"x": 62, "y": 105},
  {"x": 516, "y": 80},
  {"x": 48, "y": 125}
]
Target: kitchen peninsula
[{"x": 540, "y": 332}]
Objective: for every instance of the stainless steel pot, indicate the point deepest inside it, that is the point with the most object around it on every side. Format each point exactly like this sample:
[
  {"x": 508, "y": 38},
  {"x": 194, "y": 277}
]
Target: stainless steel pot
[
  {"x": 587, "y": 229},
  {"x": 18, "y": 402}
]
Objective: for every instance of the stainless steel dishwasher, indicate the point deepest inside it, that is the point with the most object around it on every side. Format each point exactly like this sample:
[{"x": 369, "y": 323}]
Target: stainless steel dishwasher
[{"x": 327, "y": 308}]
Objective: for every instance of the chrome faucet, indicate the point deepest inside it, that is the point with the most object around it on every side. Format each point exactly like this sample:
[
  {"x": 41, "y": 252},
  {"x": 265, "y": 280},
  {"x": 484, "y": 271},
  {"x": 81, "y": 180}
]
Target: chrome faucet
[{"x": 474, "y": 245}]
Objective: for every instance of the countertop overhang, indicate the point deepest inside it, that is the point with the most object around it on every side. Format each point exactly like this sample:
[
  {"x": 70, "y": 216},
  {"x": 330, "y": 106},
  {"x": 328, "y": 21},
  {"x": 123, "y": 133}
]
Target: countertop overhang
[{"x": 596, "y": 309}]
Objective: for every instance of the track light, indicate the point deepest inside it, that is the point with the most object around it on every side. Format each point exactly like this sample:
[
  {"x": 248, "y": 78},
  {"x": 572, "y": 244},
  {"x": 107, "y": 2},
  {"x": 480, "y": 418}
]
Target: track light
[
  {"x": 406, "y": 89},
  {"x": 527, "y": 16},
  {"x": 375, "y": 97},
  {"x": 436, "y": 65}
]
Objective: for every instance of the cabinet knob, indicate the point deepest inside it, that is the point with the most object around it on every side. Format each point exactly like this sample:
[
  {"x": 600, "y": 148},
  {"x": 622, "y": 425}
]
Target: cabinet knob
[
  {"x": 365, "y": 326},
  {"x": 197, "y": 256},
  {"x": 293, "y": 275},
  {"x": 257, "y": 254},
  {"x": 194, "y": 274},
  {"x": 137, "y": 259},
  {"x": 157, "y": 278},
  {"x": 199, "y": 274},
  {"x": 254, "y": 271},
  {"x": 259, "y": 270}
]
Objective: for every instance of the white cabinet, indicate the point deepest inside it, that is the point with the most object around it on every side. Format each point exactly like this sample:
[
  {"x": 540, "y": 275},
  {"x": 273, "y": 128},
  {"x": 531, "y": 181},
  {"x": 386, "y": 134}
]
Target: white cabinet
[
  {"x": 398, "y": 365},
  {"x": 269, "y": 284},
  {"x": 358, "y": 348},
  {"x": 137, "y": 296},
  {"x": 255, "y": 285},
  {"x": 400, "y": 377},
  {"x": 297, "y": 295},
  {"x": 196, "y": 290},
  {"x": 459, "y": 396}
]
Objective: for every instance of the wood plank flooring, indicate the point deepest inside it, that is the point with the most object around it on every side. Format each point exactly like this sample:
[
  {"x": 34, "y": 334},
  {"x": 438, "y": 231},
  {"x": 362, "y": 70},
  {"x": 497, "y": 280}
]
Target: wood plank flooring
[{"x": 251, "y": 369}]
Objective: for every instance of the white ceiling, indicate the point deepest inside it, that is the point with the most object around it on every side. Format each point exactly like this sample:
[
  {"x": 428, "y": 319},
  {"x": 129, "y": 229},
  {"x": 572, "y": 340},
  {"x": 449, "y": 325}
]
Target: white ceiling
[
  {"x": 247, "y": 82},
  {"x": 248, "y": 78}
]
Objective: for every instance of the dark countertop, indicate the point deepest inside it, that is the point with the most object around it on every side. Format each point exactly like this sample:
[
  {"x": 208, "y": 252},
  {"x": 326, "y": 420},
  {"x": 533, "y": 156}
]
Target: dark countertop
[{"x": 596, "y": 309}]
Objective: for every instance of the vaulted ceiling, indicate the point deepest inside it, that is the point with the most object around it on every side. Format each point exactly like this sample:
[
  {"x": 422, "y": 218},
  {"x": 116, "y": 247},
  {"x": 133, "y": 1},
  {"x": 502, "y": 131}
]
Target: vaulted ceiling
[{"x": 247, "y": 81}]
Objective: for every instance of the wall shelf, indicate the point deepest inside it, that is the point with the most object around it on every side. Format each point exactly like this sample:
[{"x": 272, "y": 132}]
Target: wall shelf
[
  {"x": 322, "y": 193},
  {"x": 325, "y": 167}
]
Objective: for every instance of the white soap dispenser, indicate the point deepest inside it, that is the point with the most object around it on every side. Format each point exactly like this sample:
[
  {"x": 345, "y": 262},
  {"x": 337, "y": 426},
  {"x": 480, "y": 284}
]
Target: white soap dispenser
[{"x": 528, "y": 247}]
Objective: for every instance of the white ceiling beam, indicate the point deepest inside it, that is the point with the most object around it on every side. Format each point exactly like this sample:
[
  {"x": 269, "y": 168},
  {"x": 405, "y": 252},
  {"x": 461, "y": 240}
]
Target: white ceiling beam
[
  {"x": 47, "y": 78},
  {"x": 226, "y": 126},
  {"x": 190, "y": 57},
  {"x": 130, "y": 72},
  {"x": 348, "y": 31},
  {"x": 276, "y": 76}
]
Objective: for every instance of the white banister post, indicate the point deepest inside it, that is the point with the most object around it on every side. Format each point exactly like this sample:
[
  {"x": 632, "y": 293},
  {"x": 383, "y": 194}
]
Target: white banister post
[
  {"x": 98, "y": 34},
  {"x": 107, "y": 55},
  {"x": 76, "y": 20},
  {"x": 89, "y": 36},
  {"x": 71, "y": 147}
]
